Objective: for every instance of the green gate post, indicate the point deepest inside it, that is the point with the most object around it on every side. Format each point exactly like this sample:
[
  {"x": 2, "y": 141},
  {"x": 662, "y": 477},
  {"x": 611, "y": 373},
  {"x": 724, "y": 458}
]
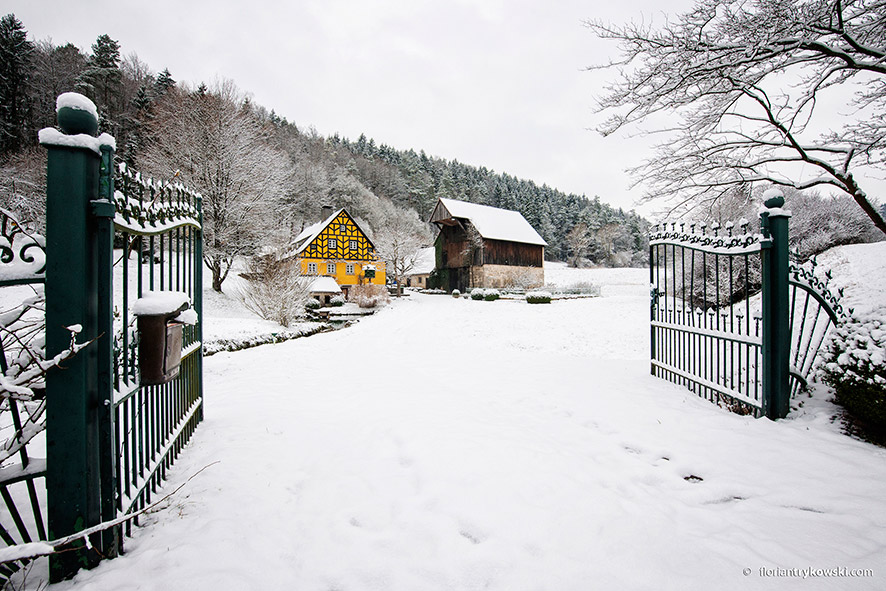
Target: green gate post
[
  {"x": 75, "y": 407},
  {"x": 103, "y": 211},
  {"x": 776, "y": 343}
]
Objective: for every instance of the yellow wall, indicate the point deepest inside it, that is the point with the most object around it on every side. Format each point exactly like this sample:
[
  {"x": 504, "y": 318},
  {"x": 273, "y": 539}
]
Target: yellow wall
[
  {"x": 345, "y": 233},
  {"x": 341, "y": 276}
]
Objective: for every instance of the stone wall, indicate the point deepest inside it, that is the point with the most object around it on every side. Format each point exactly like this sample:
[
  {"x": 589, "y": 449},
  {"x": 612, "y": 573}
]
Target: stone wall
[{"x": 505, "y": 276}]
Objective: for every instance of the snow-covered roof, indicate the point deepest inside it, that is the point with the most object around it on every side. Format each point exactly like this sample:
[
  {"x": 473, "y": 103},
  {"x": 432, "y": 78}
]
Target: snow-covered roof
[
  {"x": 493, "y": 223},
  {"x": 310, "y": 233},
  {"x": 325, "y": 285},
  {"x": 424, "y": 262}
]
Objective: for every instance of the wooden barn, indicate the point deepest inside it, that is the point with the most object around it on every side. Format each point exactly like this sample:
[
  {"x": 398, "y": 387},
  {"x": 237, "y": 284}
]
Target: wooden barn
[{"x": 482, "y": 246}]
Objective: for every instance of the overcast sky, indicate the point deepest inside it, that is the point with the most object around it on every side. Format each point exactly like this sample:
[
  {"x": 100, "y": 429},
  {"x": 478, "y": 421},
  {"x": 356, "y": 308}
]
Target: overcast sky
[{"x": 496, "y": 83}]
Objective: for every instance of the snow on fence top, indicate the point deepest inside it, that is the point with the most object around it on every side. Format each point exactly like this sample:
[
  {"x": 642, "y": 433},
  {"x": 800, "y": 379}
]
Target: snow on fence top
[
  {"x": 728, "y": 243},
  {"x": 491, "y": 222},
  {"x": 50, "y": 136},
  {"x": 146, "y": 206}
]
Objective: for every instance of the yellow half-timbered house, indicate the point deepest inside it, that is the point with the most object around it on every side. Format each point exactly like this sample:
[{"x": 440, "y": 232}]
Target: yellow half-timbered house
[{"x": 338, "y": 248}]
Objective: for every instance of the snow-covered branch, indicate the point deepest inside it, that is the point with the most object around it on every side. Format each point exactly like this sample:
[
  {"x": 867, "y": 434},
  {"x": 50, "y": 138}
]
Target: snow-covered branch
[{"x": 746, "y": 79}]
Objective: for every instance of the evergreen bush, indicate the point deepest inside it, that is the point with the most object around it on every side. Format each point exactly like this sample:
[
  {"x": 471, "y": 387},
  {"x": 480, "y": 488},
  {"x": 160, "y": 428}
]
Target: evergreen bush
[
  {"x": 337, "y": 301},
  {"x": 490, "y": 295},
  {"x": 478, "y": 293},
  {"x": 855, "y": 367},
  {"x": 312, "y": 304},
  {"x": 456, "y": 293},
  {"x": 538, "y": 297}
]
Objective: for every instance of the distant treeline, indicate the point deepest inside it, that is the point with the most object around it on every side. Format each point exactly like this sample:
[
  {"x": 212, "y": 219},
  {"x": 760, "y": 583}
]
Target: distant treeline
[{"x": 138, "y": 106}]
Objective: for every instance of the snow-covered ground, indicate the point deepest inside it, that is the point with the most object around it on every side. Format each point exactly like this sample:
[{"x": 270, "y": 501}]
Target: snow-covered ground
[{"x": 447, "y": 444}]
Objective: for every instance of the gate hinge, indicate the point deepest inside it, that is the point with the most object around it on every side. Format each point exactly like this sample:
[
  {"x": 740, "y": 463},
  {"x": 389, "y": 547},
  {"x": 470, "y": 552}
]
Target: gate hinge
[{"x": 102, "y": 208}]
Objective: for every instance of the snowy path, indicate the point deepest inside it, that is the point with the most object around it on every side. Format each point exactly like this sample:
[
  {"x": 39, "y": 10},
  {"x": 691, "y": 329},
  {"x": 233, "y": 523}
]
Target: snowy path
[{"x": 449, "y": 444}]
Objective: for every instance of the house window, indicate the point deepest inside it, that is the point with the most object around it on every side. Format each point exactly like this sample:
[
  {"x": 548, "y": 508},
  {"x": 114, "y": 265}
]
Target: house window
[
  {"x": 312, "y": 268},
  {"x": 353, "y": 245},
  {"x": 330, "y": 268},
  {"x": 332, "y": 244},
  {"x": 349, "y": 268}
]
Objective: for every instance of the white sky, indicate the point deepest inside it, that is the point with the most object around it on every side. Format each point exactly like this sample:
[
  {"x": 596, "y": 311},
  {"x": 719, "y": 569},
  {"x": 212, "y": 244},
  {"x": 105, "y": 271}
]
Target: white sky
[{"x": 487, "y": 82}]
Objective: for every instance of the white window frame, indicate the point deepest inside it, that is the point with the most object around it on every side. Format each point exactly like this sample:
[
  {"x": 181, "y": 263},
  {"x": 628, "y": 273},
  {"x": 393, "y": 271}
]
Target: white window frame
[
  {"x": 330, "y": 266},
  {"x": 332, "y": 244},
  {"x": 349, "y": 268},
  {"x": 312, "y": 268},
  {"x": 353, "y": 245}
]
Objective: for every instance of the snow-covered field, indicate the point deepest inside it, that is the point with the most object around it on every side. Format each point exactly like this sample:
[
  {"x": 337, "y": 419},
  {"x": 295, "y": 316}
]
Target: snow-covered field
[{"x": 449, "y": 444}]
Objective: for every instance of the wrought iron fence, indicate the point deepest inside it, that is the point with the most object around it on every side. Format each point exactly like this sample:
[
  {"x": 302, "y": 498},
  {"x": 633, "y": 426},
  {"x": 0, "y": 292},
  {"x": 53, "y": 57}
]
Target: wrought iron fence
[
  {"x": 109, "y": 436},
  {"x": 160, "y": 248},
  {"x": 731, "y": 318},
  {"x": 705, "y": 323},
  {"x": 23, "y": 404}
]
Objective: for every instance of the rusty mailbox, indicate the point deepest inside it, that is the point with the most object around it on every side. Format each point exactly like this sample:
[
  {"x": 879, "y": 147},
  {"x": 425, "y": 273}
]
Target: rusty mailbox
[{"x": 160, "y": 345}]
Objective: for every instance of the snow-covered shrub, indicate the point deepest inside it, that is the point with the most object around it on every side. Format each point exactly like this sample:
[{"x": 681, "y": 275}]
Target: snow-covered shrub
[
  {"x": 490, "y": 295},
  {"x": 312, "y": 304},
  {"x": 456, "y": 293},
  {"x": 478, "y": 293},
  {"x": 276, "y": 290},
  {"x": 538, "y": 297},
  {"x": 337, "y": 301},
  {"x": 369, "y": 296},
  {"x": 581, "y": 288},
  {"x": 855, "y": 366}
]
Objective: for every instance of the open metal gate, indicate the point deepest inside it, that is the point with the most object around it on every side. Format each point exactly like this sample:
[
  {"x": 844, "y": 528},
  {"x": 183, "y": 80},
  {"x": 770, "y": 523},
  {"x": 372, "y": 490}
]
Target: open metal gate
[{"x": 731, "y": 317}]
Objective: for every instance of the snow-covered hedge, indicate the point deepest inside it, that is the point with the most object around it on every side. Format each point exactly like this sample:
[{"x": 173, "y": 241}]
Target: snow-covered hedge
[
  {"x": 456, "y": 293},
  {"x": 478, "y": 293},
  {"x": 491, "y": 295},
  {"x": 312, "y": 304},
  {"x": 337, "y": 301},
  {"x": 212, "y": 347},
  {"x": 855, "y": 366},
  {"x": 538, "y": 297}
]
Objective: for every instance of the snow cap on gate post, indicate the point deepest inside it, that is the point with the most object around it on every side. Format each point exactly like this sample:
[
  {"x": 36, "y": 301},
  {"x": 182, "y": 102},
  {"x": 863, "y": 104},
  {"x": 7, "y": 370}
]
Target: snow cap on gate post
[{"x": 78, "y": 121}]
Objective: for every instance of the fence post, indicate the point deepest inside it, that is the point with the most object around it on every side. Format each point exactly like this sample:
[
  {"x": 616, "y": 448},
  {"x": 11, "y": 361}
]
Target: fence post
[
  {"x": 103, "y": 211},
  {"x": 74, "y": 403},
  {"x": 776, "y": 345}
]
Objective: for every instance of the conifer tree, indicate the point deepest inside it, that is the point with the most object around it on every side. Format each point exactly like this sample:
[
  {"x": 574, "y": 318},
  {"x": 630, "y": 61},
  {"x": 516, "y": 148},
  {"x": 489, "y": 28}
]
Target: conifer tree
[
  {"x": 102, "y": 79},
  {"x": 15, "y": 72}
]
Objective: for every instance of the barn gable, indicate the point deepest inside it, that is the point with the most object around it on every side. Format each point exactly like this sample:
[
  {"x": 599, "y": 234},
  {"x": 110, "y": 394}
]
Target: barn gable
[{"x": 492, "y": 223}]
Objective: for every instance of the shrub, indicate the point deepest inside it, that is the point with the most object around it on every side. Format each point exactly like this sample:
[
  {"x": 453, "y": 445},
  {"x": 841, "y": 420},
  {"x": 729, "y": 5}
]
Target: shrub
[
  {"x": 337, "y": 301},
  {"x": 855, "y": 366},
  {"x": 456, "y": 293},
  {"x": 478, "y": 293},
  {"x": 275, "y": 289},
  {"x": 538, "y": 297},
  {"x": 312, "y": 304},
  {"x": 370, "y": 296},
  {"x": 490, "y": 295}
]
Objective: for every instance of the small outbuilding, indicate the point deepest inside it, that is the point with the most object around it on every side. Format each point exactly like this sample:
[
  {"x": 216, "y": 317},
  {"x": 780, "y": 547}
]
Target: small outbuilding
[
  {"x": 421, "y": 269},
  {"x": 324, "y": 289},
  {"x": 482, "y": 246}
]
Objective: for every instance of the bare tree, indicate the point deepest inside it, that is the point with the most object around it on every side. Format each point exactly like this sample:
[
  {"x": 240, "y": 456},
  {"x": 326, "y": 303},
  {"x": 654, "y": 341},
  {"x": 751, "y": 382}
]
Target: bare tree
[
  {"x": 579, "y": 240},
  {"x": 399, "y": 240},
  {"x": 210, "y": 139},
  {"x": 751, "y": 81}
]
